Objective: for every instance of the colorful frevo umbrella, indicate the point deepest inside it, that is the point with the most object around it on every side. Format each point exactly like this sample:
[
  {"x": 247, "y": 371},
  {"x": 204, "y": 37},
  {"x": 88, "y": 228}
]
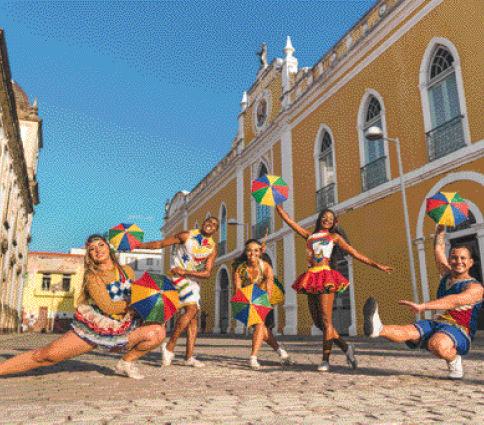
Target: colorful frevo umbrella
[
  {"x": 126, "y": 237},
  {"x": 269, "y": 190},
  {"x": 154, "y": 297},
  {"x": 447, "y": 208},
  {"x": 250, "y": 305},
  {"x": 277, "y": 292}
]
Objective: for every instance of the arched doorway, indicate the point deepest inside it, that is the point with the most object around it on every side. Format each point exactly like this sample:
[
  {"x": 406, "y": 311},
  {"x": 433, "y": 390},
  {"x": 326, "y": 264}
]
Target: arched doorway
[{"x": 224, "y": 318}]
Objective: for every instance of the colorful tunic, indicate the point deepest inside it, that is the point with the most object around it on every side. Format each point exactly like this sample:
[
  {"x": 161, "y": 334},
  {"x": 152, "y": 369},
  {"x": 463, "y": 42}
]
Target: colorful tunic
[
  {"x": 464, "y": 317},
  {"x": 260, "y": 280},
  {"x": 320, "y": 279},
  {"x": 192, "y": 256},
  {"x": 108, "y": 331}
]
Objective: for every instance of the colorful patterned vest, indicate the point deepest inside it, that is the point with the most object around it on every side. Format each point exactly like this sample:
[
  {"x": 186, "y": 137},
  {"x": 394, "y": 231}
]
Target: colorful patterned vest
[
  {"x": 194, "y": 252},
  {"x": 464, "y": 317}
]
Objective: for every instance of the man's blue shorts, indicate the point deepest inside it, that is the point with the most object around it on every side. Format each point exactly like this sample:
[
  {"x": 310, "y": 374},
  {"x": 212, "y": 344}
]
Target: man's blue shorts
[{"x": 428, "y": 328}]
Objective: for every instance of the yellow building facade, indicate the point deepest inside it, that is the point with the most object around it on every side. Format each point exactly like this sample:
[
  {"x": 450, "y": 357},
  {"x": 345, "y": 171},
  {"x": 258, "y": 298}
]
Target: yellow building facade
[
  {"x": 53, "y": 284},
  {"x": 411, "y": 68}
]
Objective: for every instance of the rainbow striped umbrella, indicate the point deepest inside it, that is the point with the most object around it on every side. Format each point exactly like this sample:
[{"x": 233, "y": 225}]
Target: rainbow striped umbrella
[
  {"x": 250, "y": 305},
  {"x": 447, "y": 208},
  {"x": 269, "y": 190},
  {"x": 126, "y": 237},
  {"x": 154, "y": 297}
]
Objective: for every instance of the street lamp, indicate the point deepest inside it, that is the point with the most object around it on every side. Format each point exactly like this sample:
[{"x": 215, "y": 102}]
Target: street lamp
[
  {"x": 376, "y": 133},
  {"x": 233, "y": 222}
]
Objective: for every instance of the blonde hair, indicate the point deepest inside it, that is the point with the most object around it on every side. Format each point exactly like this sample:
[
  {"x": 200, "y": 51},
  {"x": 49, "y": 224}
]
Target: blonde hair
[{"x": 91, "y": 268}]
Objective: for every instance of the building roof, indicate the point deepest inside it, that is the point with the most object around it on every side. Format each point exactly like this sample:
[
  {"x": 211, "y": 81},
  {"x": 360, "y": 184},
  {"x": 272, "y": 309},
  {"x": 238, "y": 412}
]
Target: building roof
[
  {"x": 54, "y": 254},
  {"x": 21, "y": 98}
]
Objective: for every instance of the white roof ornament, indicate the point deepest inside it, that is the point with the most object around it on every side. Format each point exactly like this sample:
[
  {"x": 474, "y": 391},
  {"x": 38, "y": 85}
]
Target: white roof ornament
[{"x": 288, "y": 50}]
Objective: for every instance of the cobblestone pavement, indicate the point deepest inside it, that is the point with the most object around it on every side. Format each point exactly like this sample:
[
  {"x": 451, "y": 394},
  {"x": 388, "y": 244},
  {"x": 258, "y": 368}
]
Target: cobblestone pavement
[{"x": 392, "y": 385}]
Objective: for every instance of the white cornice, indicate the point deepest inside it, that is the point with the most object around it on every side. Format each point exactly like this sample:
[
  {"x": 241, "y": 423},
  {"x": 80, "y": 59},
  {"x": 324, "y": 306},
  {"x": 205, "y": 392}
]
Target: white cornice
[
  {"x": 341, "y": 74},
  {"x": 430, "y": 170}
]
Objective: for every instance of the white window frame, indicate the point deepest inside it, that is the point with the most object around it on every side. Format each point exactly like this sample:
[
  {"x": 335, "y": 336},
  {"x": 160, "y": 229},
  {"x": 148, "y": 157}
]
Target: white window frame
[
  {"x": 317, "y": 154},
  {"x": 425, "y": 84},
  {"x": 362, "y": 126}
]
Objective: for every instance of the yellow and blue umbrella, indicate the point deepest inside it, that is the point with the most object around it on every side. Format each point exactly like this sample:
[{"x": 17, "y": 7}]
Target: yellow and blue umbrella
[
  {"x": 447, "y": 208},
  {"x": 126, "y": 237},
  {"x": 154, "y": 297},
  {"x": 269, "y": 190},
  {"x": 250, "y": 305}
]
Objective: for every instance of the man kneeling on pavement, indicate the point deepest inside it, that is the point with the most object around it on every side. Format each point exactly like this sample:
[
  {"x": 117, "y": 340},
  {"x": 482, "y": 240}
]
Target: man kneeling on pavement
[{"x": 459, "y": 296}]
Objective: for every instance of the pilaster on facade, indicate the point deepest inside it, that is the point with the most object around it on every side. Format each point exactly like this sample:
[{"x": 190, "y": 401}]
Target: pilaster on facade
[{"x": 290, "y": 303}]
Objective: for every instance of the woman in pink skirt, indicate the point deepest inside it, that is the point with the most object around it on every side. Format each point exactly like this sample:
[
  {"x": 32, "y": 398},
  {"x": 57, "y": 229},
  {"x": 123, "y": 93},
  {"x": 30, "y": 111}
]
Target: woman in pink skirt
[{"x": 320, "y": 282}]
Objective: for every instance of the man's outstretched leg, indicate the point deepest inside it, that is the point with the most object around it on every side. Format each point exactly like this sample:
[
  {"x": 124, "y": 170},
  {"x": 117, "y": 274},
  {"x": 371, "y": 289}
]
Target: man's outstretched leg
[{"x": 443, "y": 341}]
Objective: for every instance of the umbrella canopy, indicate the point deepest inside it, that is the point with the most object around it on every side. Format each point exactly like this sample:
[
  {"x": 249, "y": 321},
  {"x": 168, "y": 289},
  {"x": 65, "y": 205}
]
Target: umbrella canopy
[
  {"x": 269, "y": 190},
  {"x": 250, "y": 305},
  {"x": 277, "y": 292},
  {"x": 126, "y": 237},
  {"x": 154, "y": 297},
  {"x": 447, "y": 208}
]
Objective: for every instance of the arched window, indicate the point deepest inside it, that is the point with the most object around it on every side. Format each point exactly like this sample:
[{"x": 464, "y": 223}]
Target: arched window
[
  {"x": 222, "y": 245},
  {"x": 446, "y": 134},
  {"x": 263, "y": 214},
  {"x": 374, "y": 170},
  {"x": 325, "y": 196}
]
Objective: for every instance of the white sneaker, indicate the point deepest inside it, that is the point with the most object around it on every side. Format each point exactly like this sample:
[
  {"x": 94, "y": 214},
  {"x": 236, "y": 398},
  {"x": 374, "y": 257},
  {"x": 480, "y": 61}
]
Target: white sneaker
[
  {"x": 253, "y": 363},
  {"x": 285, "y": 357},
  {"x": 193, "y": 362},
  {"x": 128, "y": 369},
  {"x": 166, "y": 355},
  {"x": 350, "y": 357},
  {"x": 455, "y": 368},
  {"x": 323, "y": 366},
  {"x": 372, "y": 324}
]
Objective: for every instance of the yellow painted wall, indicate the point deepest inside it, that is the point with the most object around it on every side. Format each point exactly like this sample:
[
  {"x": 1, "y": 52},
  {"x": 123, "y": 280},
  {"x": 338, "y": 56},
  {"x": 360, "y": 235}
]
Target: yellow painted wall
[{"x": 56, "y": 301}]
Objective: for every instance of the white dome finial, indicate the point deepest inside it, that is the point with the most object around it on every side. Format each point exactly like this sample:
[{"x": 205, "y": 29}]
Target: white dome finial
[{"x": 288, "y": 50}]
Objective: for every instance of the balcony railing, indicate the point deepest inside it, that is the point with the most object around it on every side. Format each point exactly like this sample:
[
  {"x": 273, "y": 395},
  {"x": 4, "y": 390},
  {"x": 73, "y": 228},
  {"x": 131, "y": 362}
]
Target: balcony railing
[
  {"x": 325, "y": 197},
  {"x": 374, "y": 174},
  {"x": 446, "y": 138},
  {"x": 259, "y": 229},
  {"x": 222, "y": 248}
]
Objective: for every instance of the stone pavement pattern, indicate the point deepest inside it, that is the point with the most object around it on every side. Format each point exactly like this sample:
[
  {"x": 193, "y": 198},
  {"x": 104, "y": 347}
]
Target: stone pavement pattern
[{"x": 392, "y": 385}]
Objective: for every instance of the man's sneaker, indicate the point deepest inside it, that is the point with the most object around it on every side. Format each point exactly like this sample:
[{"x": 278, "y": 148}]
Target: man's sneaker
[
  {"x": 166, "y": 355},
  {"x": 323, "y": 366},
  {"x": 372, "y": 325},
  {"x": 350, "y": 357},
  {"x": 455, "y": 368},
  {"x": 286, "y": 359},
  {"x": 193, "y": 362},
  {"x": 128, "y": 369},
  {"x": 253, "y": 363}
]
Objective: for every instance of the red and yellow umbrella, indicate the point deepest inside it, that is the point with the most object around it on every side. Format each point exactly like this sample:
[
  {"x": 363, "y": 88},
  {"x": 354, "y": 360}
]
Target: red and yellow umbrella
[
  {"x": 126, "y": 237},
  {"x": 250, "y": 305},
  {"x": 447, "y": 208},
  {"x": 269, "y": 190},
  {"x": 154, "y": 297}
]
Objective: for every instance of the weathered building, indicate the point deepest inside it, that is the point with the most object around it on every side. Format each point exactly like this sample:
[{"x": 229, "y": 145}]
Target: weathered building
[{"x": 20, "y": 142}]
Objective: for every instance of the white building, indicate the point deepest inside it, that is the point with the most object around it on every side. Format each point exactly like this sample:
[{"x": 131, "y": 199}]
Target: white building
[{"x": 20, "y": 142}]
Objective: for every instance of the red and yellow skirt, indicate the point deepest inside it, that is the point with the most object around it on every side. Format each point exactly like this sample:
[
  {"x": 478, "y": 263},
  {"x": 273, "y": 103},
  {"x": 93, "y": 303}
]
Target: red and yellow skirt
[{"x": 320, "y": 280}]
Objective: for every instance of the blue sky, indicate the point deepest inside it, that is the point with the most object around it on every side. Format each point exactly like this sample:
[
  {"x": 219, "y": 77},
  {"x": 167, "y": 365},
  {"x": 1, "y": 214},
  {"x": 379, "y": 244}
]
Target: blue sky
[{"x": 140, "y": 99}]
